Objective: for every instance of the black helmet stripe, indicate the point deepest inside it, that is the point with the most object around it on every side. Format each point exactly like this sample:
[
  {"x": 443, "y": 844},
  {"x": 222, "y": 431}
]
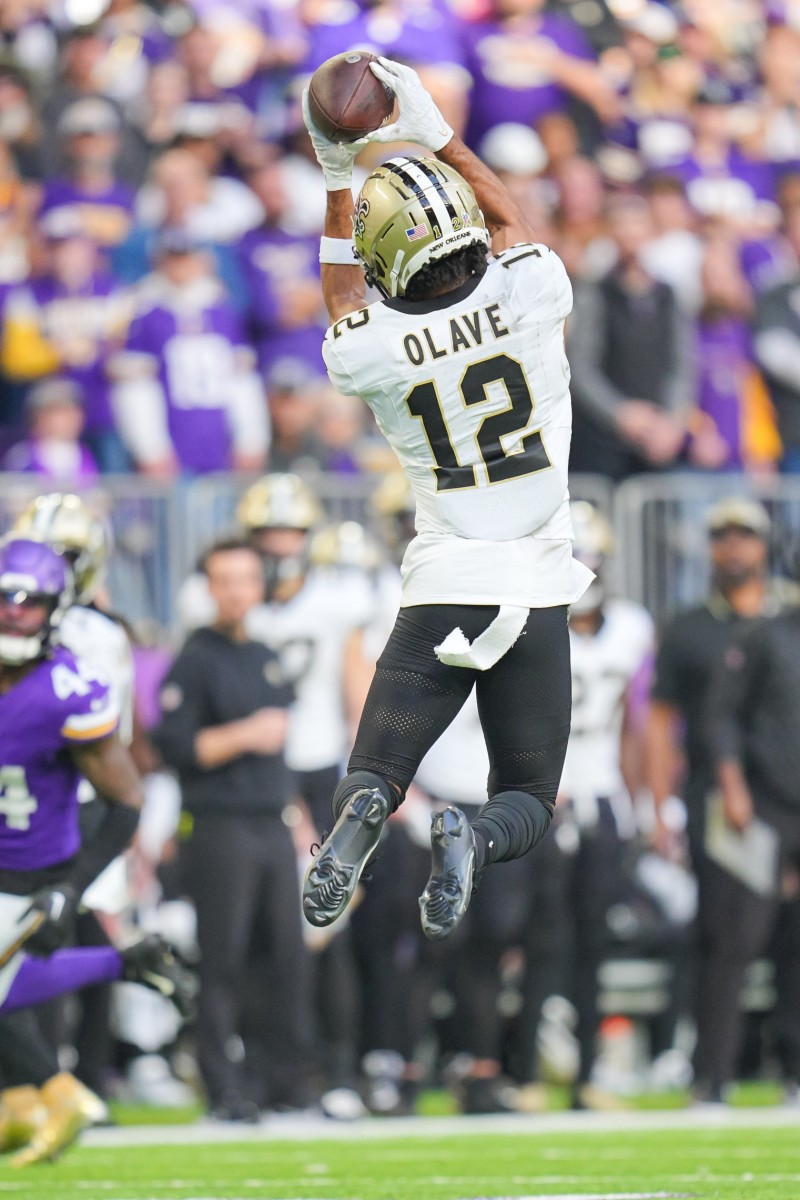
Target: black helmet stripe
[
  {"x": 418, "y": 192},
  {"x": 428, "y": 168},
  {"x": 398, "y": 167}
]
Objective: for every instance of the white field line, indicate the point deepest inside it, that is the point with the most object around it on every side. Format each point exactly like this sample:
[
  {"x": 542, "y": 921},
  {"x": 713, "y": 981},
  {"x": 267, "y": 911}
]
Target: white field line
[{"x": 309, "y": 1128}]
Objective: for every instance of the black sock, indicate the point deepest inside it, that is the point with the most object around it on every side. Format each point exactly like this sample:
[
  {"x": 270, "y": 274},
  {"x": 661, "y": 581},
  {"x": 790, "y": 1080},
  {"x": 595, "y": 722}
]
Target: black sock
[
  {"x": 357, "y": 780},
  {"x": 508, "y": 826}
]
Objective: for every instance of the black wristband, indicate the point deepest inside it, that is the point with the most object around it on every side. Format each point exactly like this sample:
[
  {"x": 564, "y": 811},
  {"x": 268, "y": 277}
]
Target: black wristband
[{"x": 113, "y": 835}]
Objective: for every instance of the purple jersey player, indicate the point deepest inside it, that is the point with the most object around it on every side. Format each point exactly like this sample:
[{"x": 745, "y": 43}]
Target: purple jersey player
[{"x": 58, "y": 723}]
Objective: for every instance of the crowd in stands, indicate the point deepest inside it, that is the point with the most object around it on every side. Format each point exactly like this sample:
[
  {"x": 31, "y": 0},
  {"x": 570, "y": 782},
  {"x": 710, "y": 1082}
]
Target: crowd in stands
[{"x": 160, "y": 211}]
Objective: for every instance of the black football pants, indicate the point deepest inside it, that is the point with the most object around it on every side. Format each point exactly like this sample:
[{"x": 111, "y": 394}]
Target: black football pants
[
  {"x": 241, "y": 874},
  {"x": 524, "y": 702}
]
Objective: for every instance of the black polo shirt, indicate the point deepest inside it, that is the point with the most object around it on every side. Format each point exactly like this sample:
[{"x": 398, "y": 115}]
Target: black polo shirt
[
  {"x": 689, "y": 654},
  {"x": 754, "y": 709},
  {"x": 214, "y": 681}
]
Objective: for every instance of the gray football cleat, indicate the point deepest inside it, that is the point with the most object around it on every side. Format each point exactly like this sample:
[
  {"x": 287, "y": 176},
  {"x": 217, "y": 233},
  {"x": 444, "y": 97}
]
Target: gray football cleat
[
  {"x": 333, "y": 876},
  {"x": 448, "y": 891}
]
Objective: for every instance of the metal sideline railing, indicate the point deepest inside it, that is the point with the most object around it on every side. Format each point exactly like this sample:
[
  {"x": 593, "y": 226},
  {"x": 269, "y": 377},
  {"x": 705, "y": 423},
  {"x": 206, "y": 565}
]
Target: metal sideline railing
[
  {"x": 662, "y": 537},
  {"x": 160, "y": 529}
]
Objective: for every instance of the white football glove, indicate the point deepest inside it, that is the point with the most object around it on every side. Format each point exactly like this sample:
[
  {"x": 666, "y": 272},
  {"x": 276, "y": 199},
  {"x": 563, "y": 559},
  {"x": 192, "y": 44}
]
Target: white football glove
[
  {"x": 335, "y": 158},
  {"x": 420, "y": 120}
]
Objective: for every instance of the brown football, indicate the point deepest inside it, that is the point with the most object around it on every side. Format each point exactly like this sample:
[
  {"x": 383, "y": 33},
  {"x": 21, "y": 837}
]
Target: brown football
[{"x": 346, "y": 99}]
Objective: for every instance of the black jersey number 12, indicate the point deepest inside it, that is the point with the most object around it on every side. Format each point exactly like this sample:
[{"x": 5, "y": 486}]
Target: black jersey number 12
[{"x": 423, "y": 401}]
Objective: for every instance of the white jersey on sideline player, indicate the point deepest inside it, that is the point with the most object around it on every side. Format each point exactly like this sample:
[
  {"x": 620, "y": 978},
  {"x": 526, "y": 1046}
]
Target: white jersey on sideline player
[
  {"x": 604, "y": 664},
  {"x": 310, "y": 633}
]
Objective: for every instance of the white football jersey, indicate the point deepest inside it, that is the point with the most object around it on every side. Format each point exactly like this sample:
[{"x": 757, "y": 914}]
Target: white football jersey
[
  {"x": 309, "y": 633},
  {"x": 472, "y": 392},
  {"x": 104, "y": 645},
  {"x": 603, "y": 667}
]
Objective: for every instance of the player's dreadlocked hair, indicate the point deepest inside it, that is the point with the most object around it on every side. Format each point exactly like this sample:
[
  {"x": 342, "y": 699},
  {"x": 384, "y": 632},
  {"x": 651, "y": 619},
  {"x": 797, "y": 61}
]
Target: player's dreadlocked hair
[{"x": 447, "y": 272}]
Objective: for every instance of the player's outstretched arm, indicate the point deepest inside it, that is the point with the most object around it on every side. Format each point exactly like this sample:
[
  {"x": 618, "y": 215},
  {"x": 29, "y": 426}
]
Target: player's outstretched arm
[
  {"x": 504, "y": 218},
  {"x": 343, "y": 285},
  {"x": 420, "y": 121}
]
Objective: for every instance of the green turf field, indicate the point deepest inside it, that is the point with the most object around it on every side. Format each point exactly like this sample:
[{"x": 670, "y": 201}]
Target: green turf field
[{"x": 756, "y": 1164}]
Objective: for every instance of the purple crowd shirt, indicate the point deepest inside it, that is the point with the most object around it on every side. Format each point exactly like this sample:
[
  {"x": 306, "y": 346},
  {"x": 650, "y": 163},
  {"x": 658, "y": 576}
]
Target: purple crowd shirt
[
  {"x": 725, "y": 356},
  {"x": 423, "y": 34},
  {"x": 193, "y": 352},
  {"x": 58, "y": 704},
  {"x": 107, "y": 216},
  {"x": 506, "y": 87},
  {"x": 268, "y": 258},
  {"x": 32, "y": 458},
  {"x": 85, "y": 320}
]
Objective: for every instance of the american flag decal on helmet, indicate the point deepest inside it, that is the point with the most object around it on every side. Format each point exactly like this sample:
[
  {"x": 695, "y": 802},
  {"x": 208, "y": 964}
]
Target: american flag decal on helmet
[{"x": 419, "y": 231}]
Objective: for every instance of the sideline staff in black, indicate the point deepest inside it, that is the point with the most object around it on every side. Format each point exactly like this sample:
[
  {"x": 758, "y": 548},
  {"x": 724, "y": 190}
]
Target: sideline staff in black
[
  {"x": 754, "y": 724},
  {"x": 224, "y": 719},
  {"x": 692, "y": 646}
]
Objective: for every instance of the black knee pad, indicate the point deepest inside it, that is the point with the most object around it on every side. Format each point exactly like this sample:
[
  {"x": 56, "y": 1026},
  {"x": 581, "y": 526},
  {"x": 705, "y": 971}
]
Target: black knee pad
[
  {"x": 510, "y": 824},
  {"x": 362, "y": 779}
]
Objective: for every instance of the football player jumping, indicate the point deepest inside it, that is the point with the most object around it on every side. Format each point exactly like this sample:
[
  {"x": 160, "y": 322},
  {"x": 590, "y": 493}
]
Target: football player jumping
[{"x": 462, "y": 363}]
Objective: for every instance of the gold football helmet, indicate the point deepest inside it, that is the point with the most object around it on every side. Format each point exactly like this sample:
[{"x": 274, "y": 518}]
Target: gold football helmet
[
  {"x": 593, "y": 544},
  {"x": 412, "y": 211},
  {"x": 345, "y": 544},
  {"x": 393, "y": 510},
  {"x": 279, "y": 502},
  {"x": 72, "y": 528},
  {"x": 393, "y": 496},
  {"x": 593, "y": 538}
]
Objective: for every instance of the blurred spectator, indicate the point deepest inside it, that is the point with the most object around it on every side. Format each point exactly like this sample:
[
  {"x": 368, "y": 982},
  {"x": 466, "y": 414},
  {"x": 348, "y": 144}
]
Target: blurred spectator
[
  {"x": 580, "y": 219},
  {"x": 630, "y": 353},
  {"x": 675, "y": 253},
  {"x": 340, "y": 424},
  {"x": 777, "y": 347},
  {"x": 69, "y": 319},
  {"x": 720, "y": 180},
  {"x": 183, "y": 191},
  {"x": 182, "y": 196},
  {"x": 281, "y": 270},
  {"x": 14, "y": 209},
  {"x": 53, "y": 448},
  {"x": 155, "y": 116},
  {"x": 732, "y": 403},
  {"x": 293, "y": 389},
  {"x": 780, "y": 101},
  {"x": 529, "y": 62},
  {"x": 90, "y": 130},
  {"x": 29, "y": 36},
  {"x": 424, "y": 36},
  {"x": 186, "y": 394},
  {"x": 19, "y": 123}
]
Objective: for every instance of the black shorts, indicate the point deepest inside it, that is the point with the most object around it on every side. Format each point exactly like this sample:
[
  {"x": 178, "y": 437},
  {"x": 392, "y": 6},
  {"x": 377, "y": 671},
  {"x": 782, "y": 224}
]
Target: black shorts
[{"x": 524, "y": 700}]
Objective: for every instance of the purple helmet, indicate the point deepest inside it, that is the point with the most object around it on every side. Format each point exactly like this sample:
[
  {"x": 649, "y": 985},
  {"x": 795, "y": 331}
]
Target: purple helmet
[{"x": 32, "y": 576}]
